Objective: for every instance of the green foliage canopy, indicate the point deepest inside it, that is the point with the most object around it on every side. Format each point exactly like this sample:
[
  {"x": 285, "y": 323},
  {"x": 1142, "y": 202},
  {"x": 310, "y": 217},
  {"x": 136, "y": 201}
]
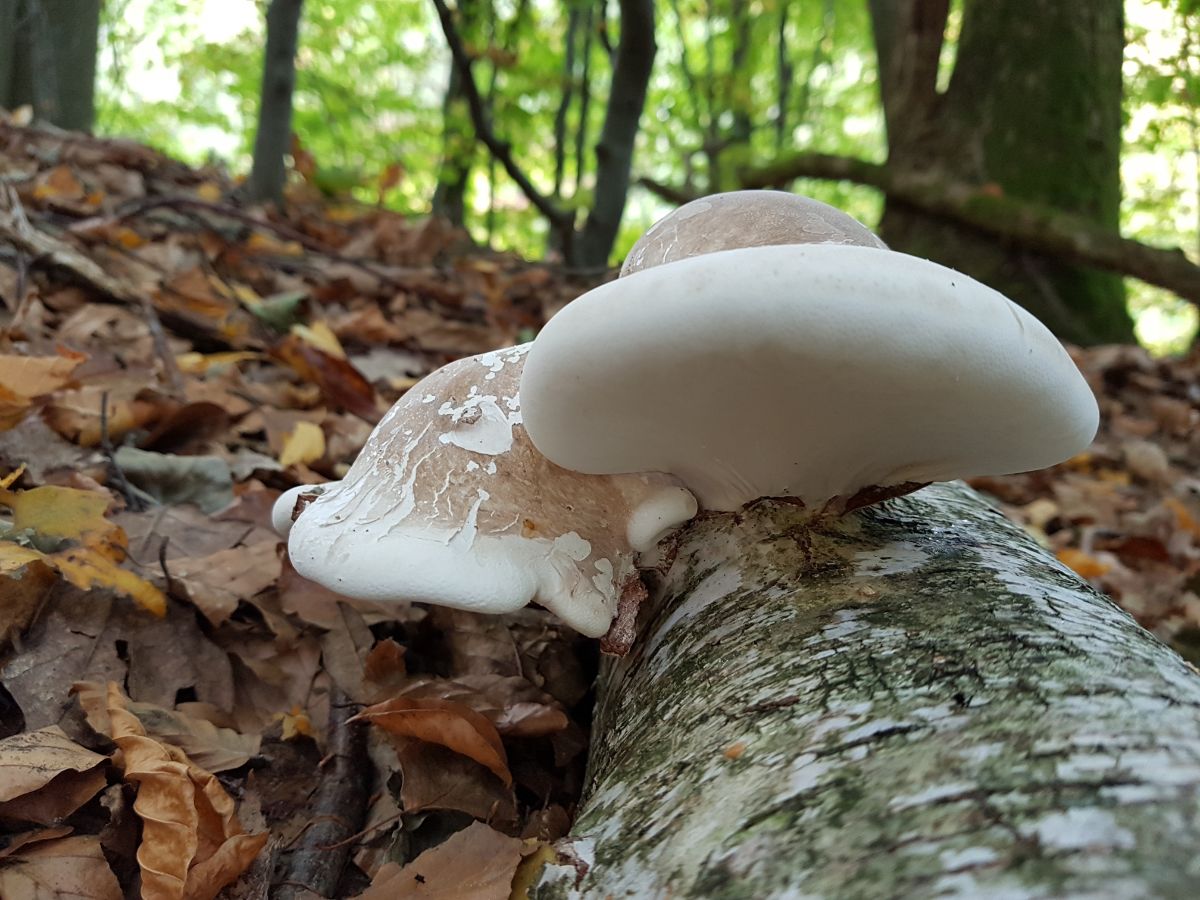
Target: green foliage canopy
[{"x": 736, "y": 82}]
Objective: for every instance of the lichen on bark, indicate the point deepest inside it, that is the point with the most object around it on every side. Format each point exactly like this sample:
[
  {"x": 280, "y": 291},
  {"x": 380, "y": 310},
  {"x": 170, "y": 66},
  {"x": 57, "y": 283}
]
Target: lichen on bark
[{"x": 917, "y": 701}]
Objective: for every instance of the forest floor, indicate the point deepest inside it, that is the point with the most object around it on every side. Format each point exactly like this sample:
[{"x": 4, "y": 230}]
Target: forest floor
[{"x": 175, "y": 702}]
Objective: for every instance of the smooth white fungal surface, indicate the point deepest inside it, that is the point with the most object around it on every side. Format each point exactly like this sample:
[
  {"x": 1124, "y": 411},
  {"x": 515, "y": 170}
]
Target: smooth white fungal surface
[
  {"x": 450, "y": 503},
  {"x": 281, "y": 511},
  {"x": 812, "y": 371}
]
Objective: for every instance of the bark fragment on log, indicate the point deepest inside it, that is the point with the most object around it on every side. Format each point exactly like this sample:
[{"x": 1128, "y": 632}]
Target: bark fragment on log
[{"x": 920, "y": 702}]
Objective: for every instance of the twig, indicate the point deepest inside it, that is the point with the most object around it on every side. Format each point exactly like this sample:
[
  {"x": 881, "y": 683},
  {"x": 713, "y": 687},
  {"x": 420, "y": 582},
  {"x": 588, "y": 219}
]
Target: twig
[
  {"x": 180, "y": 202},
  {"x": 16, "y": 229},
  {"x": 133, "y": 500},
  {"x": 28, "y": 239},
  {"x": 339, "y": 808},
  {"x": 561, "y": 219},
  {"x": 162, "y": 348}
]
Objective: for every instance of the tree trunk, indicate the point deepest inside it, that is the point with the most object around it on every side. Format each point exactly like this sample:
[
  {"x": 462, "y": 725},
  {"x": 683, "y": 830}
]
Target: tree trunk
[
  {"x": 916, "y": 702},
  {"x": 48, "y": 59},
  {"x": 458, "y": 143},
  {"x": 450, "y": 195},
  {"x": 1033, "y": 108},
  {"x": 273, "y": 139},
  {"x": 614, "y": 151}
]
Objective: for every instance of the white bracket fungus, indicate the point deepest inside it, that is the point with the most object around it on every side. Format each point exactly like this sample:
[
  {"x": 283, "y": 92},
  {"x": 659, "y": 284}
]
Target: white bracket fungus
[
  {"x": 449, "y": 503},
  {"x": 821, "y": 366}
]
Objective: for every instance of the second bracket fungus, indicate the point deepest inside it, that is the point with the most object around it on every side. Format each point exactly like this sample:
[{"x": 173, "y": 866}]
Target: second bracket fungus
[
  {"x": 449, "y": 503},
  {"x": 836, "y": 372}
]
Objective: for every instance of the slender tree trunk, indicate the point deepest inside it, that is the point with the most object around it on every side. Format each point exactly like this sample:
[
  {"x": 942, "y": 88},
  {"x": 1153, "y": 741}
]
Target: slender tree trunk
[
  {"x": 614, "y": 151},
  {"x": 273, "y": 138},
  {"x": 574, "y": 17},
  {"x": 458, "y": 142},
  {"x": 450, "y": 195},
  {"x": 917, "y": 701},
  {"x": 785, "y": 71},
  {"x": 585, "y": 94},
  {"x": 48, "y": 59},
  {"x": 1034, "y": 110}
]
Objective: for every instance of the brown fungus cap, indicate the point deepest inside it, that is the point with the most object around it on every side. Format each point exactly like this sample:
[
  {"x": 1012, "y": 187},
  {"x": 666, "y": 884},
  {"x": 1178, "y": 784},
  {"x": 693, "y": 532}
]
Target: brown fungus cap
[{"x": 744, "y": 219}]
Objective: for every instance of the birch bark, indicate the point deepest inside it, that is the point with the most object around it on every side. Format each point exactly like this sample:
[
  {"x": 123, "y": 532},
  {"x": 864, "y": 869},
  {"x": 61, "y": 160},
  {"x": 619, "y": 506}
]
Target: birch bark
[{"x": 917, "y": 702}]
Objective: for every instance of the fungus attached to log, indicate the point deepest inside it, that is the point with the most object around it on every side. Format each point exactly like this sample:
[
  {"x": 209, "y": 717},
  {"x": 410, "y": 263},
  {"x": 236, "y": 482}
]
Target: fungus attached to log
[{"x": 758, "y": 345}]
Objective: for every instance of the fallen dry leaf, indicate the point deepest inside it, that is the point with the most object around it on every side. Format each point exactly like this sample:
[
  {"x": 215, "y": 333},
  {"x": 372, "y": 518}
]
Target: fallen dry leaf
[
  {"x": 213, "y": 748},
  {"x": 341, "y": 383},
  {"x": 437, "y": 778},
  {"x": 453, "y": 725},
  {"x": 29, "y": 761},
  {"x": 25, "y": 583},
  {"x": 192, "y": 842},
  {"x": 45, "y": 776},
  {"x": 305, "y": 444},
  {"x": 67, "y": 530},
  {"x": 217, "y": 583},
  {"x": 14, "y": 842},
  {"x": 69, "y": 868},
  {"x": 1085, "y": 565},
  {"x": 477, "y": 863},
  {"x": 23, "y": 378}
]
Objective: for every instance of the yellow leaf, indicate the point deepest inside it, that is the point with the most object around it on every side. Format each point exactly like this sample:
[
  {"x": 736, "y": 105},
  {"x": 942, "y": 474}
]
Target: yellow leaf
[
  {"x": 97, "y": 545},
  {"x": 295, "y": 723},
  {"x": 14, "y": 557},
  {"x": 264, "y": 243},
  {"x": 1084, "y": 565},
  {"x": 246, "y": 294},
  {"x": 7, "y": 481},
  {"x": 1183, "y": 518},
  {"x": 320, "y": 335},
  {"x": 60, "y": 512},
  {"x": 305, "y": 444},
  {"x": 128, "y": 238},
  {"x": 209, "y": 192},
  {"x": 200, "y": 363},
  {"x": 87, "y": 568}
]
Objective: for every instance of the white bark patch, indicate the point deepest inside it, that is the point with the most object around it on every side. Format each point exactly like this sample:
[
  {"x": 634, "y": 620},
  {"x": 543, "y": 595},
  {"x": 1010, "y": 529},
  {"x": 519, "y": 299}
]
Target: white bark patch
[
  {"x": 716, "y": 586},
  {"x": 1079, "y": 829},
  {"x": 892, "y": 558}
]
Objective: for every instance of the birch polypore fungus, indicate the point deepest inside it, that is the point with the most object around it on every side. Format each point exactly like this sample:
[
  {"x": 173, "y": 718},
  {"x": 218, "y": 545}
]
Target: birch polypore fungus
[
  {"x": 837, "y": 373},
  {"x": 744, "y": 219},
  {"x": 449, "y": 503}
]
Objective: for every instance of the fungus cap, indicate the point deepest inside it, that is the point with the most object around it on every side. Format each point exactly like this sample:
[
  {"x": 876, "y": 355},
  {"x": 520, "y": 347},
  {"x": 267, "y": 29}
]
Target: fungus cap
[
  {"x": 744, "y": 219},
  {"x": 814, "y": 371},
  {"x": 449, "y": 503}
]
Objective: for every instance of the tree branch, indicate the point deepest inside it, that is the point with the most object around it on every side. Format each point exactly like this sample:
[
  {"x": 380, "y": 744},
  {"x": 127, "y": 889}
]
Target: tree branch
[
  {"x": 985, "y": 208},
  {"x": 500, "y": 149},
  {"x": 614, "y": 151}
]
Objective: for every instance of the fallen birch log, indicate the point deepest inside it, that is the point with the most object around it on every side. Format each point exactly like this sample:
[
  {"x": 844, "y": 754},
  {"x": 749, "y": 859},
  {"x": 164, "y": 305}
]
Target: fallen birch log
[{"x": 917, "y": 702}]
